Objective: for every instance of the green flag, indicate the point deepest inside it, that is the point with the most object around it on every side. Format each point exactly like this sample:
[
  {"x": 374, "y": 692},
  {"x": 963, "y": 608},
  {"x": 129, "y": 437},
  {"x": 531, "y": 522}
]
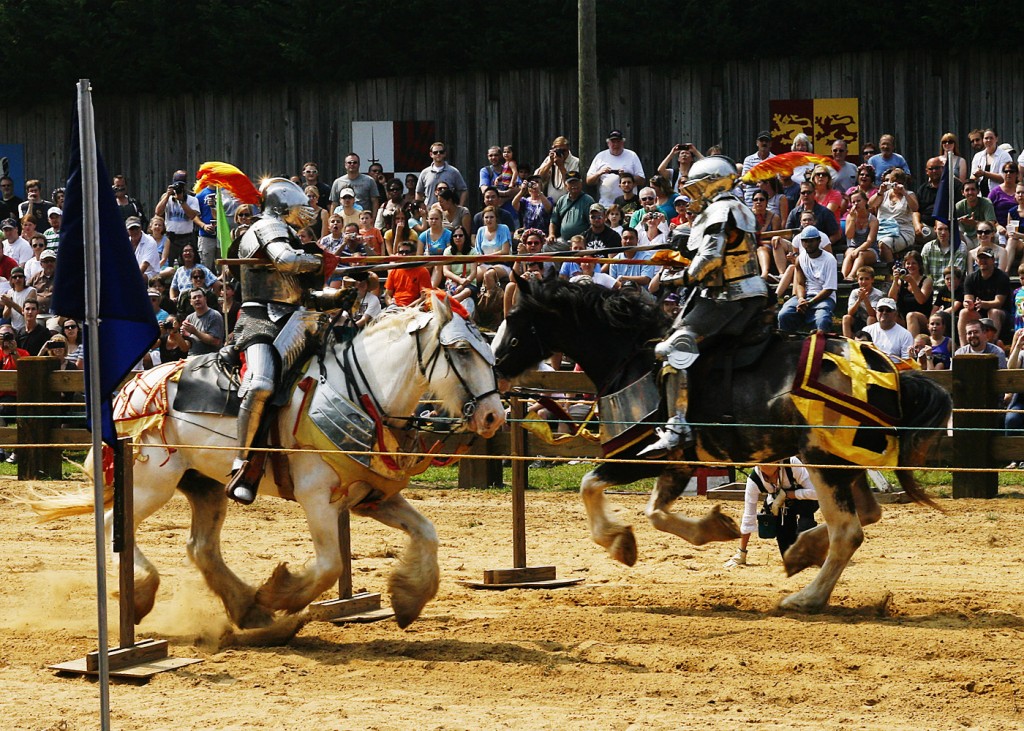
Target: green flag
[{"x": 223, "y": 230}]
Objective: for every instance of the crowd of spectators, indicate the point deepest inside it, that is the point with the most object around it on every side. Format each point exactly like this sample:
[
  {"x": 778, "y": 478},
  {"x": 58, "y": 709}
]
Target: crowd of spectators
[{"x": 866, "y": 222}]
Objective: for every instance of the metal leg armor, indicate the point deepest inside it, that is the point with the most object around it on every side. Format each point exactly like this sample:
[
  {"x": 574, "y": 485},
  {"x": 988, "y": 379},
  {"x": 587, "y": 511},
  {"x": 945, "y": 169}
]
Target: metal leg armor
[
  {"x": 676, "y": 432},
  {"x": 679, "y": 350},
  {"x": 257, "y": 387}
]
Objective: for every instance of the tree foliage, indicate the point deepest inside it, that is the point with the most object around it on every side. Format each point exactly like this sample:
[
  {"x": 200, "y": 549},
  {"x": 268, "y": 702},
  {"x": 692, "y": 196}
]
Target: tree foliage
[{"x": 128, "y": 46}]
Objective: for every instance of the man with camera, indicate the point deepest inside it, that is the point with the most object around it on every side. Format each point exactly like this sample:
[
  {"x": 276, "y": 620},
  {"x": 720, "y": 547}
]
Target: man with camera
[
  {"x": 127, "y": 205},
  {"x": 556, "y": 166},
  {"x": 609, "y": 164},
  {"x": 203, "y": 330},
  {"x": 179, "y": 211}
]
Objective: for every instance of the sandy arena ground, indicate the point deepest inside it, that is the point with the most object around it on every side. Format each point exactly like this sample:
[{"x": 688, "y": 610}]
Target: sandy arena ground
[{"x": 924, "y": 631}]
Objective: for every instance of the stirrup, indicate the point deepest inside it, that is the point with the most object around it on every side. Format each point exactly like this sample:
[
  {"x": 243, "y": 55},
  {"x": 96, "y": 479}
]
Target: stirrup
[
  {"x": 676, "y": 433},
  {"x": 239, "y": 487}
]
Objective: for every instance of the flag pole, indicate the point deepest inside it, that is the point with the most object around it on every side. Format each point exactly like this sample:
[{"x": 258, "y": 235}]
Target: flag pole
[{"x": 91, "y": 235}]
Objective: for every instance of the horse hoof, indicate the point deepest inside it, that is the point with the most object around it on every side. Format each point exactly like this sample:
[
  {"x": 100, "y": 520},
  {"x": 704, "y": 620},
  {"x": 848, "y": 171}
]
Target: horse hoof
[
  {"x": 257, "y": 617},
  {"x": 623, "y": 547},
  {"x": 797, "y": 562},
  {"x": 721, "y": 527},
  {"x": 797, "y": 603},
  {"x": 406, "y": 612}
]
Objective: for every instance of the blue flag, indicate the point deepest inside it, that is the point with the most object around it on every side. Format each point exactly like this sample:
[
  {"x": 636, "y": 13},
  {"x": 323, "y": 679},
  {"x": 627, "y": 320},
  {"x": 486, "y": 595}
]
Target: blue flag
[
  {"x": 940, "y": 211},
  {"x": 128, "y": 326}
]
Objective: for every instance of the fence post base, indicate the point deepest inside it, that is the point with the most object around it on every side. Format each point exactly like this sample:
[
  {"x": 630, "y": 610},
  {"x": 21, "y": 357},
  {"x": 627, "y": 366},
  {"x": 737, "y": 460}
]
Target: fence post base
[
  {"x": 973, "y": 377},
  {"x": 33, "y": 428}
]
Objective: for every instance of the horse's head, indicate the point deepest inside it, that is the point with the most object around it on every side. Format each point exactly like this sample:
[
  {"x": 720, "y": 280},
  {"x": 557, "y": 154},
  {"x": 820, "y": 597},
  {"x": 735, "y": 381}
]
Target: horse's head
[
  {"x": 467, "y": 385},
  {"x": 524, "y": 336},
  {"x": 594, "y": 326}
]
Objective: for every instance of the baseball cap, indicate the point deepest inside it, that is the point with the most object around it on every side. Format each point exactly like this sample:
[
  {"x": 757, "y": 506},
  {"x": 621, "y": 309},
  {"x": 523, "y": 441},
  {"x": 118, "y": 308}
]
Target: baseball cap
[
  {"x": 987, "y": 323},
  {"x": 616, "y": 134},
  {"x": 133, "y": 222},
  {"x": 985, "y": 251},
  {"x": 574, "y": 175},
  {"x": 155, "y": 293},
  {"x": 886, "y": 302},
  {"x": 17, "y": 270},
  {"x": 47, "y": 254},
  {"x": 347, "y": 193},
  {"x": 810, "y": 233},
  {"x": 597, "y": 207},
  {"x": 179, "y": 178},
  {"x": 54, "y": 209},
  {"x": 764, "y": 135},
  {"x": 9, "y": 223}
]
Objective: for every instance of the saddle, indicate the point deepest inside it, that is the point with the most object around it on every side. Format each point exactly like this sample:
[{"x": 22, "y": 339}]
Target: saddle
[
  {"x": 208, "y": 385},
  {"x": 722, "y": 356}
]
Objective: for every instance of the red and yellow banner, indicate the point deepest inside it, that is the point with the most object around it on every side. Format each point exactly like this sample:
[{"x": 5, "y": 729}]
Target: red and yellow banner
[{"x": 823, "y": 120}]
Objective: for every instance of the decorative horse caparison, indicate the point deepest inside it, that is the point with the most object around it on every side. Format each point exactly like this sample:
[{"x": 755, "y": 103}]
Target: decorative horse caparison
[
  {"x": 611, "y": 336},
  {"x": 400, "y": 358}
]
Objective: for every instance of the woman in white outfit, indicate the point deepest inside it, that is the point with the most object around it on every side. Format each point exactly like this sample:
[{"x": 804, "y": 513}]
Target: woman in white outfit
[{"x": 797, "y": 513}]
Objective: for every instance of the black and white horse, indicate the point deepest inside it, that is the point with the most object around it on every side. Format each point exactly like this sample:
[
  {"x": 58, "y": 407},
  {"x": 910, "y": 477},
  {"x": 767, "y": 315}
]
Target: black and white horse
[{"x": 611, "y": 336}]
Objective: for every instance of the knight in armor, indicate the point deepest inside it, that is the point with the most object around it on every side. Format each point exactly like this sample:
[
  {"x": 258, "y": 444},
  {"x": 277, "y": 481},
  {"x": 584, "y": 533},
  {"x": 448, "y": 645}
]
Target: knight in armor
[
  {"x": 724, "y": 267},
  {"x": 274, "y": 328}
]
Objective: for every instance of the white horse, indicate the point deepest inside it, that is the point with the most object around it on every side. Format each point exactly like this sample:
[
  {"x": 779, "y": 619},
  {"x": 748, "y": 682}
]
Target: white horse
[{"x": 391, "y": 365}]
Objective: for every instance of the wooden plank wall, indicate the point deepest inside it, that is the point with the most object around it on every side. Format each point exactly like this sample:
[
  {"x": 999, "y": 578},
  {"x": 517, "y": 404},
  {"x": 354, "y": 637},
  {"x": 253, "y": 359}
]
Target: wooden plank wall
[{"x": 916, "y": 95}]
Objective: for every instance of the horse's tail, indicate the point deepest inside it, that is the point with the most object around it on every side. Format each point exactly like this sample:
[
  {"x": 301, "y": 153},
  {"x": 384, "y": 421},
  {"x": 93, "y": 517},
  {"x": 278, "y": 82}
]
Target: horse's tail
[
  {"x": 926, "y": 409},
  {"x": 50, "y": 505}
]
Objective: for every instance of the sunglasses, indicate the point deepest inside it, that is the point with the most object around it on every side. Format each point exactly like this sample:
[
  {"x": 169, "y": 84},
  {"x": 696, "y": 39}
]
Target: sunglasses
[
  {"x": 806, "y": 192},
  {"x": 437, "y": 152},
  {"x": 1009, "y": 171},
  {"x": 885, "y": 309},
  {"x": 985, "y": 231},
  {"x": 458, "y": 236},
  {"x": 949, "y": 142},
  {"x": 647, "y": 200},
  {"x": 72, "y": 326}
]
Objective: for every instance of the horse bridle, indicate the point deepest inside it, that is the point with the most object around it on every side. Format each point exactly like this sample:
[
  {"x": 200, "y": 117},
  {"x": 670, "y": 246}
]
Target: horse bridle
[
  {"x": 427, "y": 371},
  {"x": 514, "y": 342},
  {"x": 351, "y": 366}
]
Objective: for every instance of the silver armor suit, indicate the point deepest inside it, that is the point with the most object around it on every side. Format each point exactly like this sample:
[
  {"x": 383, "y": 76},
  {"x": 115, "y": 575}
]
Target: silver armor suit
[
  {"x": 275, "y": 287},
  {"x": 725, "y": 268}
]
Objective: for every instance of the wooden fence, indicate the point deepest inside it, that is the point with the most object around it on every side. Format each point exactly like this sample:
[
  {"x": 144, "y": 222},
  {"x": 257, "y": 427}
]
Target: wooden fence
[
  {"x": 917, "y": 96},
  {"x": 976, "y": 383}
]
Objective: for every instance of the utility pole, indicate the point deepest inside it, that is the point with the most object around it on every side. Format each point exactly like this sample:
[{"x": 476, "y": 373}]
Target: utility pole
[{"x": 587, "y": 144}]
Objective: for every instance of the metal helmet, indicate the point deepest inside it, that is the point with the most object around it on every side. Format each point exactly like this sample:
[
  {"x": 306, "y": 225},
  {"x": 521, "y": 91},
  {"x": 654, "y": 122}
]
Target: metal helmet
[
  {"x": 285, "y": 200},
  {"x": 708, "y": 177}
]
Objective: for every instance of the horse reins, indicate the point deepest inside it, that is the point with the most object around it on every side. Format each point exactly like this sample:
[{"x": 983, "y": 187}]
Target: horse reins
[{"x": 354, "y": 374}]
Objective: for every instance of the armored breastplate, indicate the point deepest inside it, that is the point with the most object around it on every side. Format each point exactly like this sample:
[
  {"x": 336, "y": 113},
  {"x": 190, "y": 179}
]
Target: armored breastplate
[
  {"x": 739, "y": 260},
  {"x": 263, "y": 282}
]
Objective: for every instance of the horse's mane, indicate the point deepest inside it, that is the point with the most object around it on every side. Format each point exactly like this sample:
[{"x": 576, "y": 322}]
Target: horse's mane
[
  {"x": 591, "y": 306},
  {"x": 391, "y": 319}
]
